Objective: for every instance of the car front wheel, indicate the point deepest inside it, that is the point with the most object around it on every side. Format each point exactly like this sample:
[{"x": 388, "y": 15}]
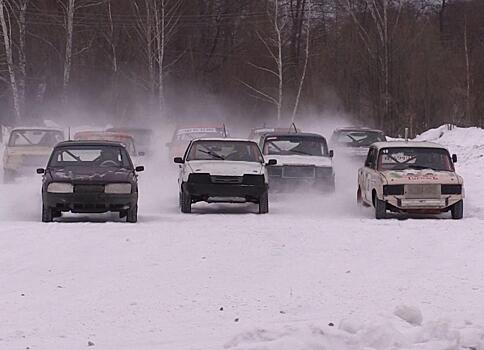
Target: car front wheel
[
  {"x": 132, "y": 214},
  {"x": 185, "y": 202},
  {"x": 458, "y": 210},
  {"x": 380, "y": 209},
  {"x": 47, "y": 214},
  {"x": 264, "y": 203}
]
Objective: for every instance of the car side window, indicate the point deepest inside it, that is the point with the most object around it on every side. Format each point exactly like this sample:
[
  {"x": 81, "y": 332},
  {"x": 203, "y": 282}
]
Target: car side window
[{"x": 371, "y": 158}]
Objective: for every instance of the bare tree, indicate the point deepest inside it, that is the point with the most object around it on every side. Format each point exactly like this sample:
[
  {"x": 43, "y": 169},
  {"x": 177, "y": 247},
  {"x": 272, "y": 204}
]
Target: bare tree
[
  {"x": 273, "y": 44},
  {"x": 7, "y": 40}
]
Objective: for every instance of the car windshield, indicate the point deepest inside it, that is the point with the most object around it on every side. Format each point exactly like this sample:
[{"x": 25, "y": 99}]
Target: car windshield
[
  {"x": 189, "y": 134},
  {"x": 415, "y": 158},
  {"x": 295, "y": 145},
  {"x": 39, "y": 138},
  {"x": 90, "y": 156},
  {"x": 225, "y": 150},
  {"x": 357, "y": 138}
]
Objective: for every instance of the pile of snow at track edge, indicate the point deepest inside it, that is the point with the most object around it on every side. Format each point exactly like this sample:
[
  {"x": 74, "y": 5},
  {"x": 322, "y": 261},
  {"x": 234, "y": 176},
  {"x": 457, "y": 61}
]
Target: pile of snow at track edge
[{"x": 404, "y": 330}]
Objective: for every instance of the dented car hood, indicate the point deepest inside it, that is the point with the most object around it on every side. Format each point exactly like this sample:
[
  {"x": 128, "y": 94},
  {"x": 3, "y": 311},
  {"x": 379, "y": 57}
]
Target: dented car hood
[
  {"x": 227, "y": 168},
  {"x": 301, "y": 160},
  {"x": 425, "y": 176},
  {"x": 91, "y": 174}
]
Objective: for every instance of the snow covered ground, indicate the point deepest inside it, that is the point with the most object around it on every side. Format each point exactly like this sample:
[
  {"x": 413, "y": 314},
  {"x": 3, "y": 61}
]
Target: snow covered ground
[{"x": 316, "y": 273}]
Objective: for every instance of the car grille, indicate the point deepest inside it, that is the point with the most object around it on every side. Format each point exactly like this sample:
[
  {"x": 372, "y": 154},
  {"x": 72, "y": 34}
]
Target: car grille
[
  {"x": 89, "y": 188},
  {"x": 422, "y": 191},
  {"x": 298, "y": 172},
  {"x": 226, "y": 179}
]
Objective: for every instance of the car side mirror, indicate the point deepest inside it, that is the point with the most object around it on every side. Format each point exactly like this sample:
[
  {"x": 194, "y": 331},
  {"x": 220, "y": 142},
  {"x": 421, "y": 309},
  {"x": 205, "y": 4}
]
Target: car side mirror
[
  {"x": 141, "y": 154},
  {"x": 454, "y": 158},
  {"x": 178, "y": 160},
  {"x": 139, "y": 169},
  {"x": 40, "y": 171},
  {"x": 271, "y": 162},
  {"x": 331, "y": 153}
]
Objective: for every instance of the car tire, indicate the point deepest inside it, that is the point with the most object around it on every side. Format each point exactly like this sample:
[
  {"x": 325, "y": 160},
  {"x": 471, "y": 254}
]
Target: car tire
[
  {"x": 458, "y": 210},
  {"x": 132, "y": 214},
  {"x": 380, "y": 209},
  {"x": 185, "y": 202},
  {"x": 47, "y": 214},
  {"x": 264, "y": 203}
]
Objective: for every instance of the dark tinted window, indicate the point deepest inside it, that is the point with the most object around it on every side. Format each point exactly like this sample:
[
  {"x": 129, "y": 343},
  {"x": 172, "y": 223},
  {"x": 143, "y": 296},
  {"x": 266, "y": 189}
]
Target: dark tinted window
[
  {"x": 295, "y": 145},
  {"x": 95, "y": 156},
  {"x": 415, "y": 158},
  {"x": 358, "y": 138},
  {"x": 225, "y": 150}
]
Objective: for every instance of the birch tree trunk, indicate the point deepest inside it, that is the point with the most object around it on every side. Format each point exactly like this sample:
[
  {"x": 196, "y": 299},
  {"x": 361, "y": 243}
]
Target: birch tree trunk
[
  {"x": 23, "y": 4},
  {"x": 468, "y": 75},
  {"x": 9, "y": 57},
  {"x": 70, "y": 11}
]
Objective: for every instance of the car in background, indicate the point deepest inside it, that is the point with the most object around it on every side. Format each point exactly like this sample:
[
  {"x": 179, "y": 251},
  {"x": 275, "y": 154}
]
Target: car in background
[
  {"x": 410, "y": 177},
  {"x": 90, "y": 177},
  {"x": 183, "y": 135},
  {"x": 125, "y": 139},
  {"x": 355, "y": 142},
  {"x": 143, "y": 137},
  {"x": 257, "y": 133},
  {"x": 28, "y": 149},
  {"x": 303, "y": 160},
  {"x": 223, "y": 170}
]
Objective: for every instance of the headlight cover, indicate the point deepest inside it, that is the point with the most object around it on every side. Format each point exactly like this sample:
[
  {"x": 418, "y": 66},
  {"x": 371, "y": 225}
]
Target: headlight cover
[
  {"x": 60, "y": 187},
  {"x": 123, "y": 188}
]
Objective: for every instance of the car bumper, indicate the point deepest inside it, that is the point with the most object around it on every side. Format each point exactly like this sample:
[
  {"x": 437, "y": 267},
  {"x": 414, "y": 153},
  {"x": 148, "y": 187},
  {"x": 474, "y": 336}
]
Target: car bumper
[
  {"x": 90, "y": 202},
  {"x": 442, "y": 204},
  {"x": 206, "y": 192},
  {"x": 282, "y": 184}
]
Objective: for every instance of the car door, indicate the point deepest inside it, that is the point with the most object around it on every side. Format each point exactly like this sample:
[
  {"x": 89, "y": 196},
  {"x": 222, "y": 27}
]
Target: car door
[{"x": 367, "y": 176}]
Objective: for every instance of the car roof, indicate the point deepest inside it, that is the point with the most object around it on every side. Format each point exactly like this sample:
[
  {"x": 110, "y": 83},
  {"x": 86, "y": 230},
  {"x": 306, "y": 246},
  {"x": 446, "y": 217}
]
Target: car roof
[
  {"x": 40, "y": 128},
  {"x": 355, "y": 128},
  {"x": 103, "y": 133},
  {"x": 407, "y": 144},
  {"x": 231, "y": 139},
  {"x": 128, "y": 129},
  {"x": 88, "y": 143},
  {"x": 300, "y": 134}
]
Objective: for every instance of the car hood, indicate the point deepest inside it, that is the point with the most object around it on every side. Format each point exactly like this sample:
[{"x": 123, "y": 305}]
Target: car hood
[
  {"x": 425, "y": 176},
  {"x": 301, "y": 160},
  {"x": 91, "y": 174},
  {"x": 226, "y": 167}
]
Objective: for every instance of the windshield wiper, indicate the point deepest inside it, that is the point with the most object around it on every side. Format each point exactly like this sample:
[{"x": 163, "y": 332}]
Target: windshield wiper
[{"x": 213, "y": 154}]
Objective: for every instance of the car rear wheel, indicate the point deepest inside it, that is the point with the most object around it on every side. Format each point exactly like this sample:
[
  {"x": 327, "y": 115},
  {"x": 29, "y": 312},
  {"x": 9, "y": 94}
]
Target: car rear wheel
[
  {"x": 185, "y": 202},
  {"x": 47, "y": 214},
  {"x": 264, "y": 203},
  {"x": 132, "y": 214},
  {"x": 380, "y": 209},
  {"x": 458, "y": 210}
]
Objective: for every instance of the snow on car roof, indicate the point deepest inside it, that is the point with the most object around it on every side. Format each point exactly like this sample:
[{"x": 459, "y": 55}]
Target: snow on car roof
[
  {"x": 40, "y": 128},
  {"x": 88, "y": 143},
  {"x": 407, "y": 144}
]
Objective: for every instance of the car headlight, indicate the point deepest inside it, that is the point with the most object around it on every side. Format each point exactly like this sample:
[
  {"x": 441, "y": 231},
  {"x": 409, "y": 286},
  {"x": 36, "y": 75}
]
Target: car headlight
[
  {"x": 117, "y": 188},
  {"x": 60, "y": 187}
]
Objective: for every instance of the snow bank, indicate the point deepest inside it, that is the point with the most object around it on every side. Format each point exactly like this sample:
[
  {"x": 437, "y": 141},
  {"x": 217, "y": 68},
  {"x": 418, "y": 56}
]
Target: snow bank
[{"x": 390, "y": 333}]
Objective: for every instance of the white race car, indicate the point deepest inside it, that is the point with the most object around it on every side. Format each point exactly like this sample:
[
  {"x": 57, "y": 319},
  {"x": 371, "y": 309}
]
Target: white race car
[
  {"x": 412, "y": 177},
  {"x": 303, "y": 159},
  {"x": 223, "y": 170}
]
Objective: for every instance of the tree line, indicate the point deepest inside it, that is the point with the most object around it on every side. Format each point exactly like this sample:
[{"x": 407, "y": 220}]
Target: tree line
[{"x": 389, "y": 64}]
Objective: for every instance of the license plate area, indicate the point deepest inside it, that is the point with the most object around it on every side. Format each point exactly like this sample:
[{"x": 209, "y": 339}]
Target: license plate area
[{"x": 426, "y": 191}]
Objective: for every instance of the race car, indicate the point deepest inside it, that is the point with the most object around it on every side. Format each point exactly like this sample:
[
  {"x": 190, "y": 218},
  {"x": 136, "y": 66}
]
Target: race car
[
  {"x": 142, "y": 137},
  {"x": 125, "y": 139},
  {"x": 184, "y": 134},
  {"x": 410, "y": 177},
  {"x": 303, "y": 160},
  {"x": 90, "y": 177},
  {"x": 355, "y": 142},
  {"x": 257, "y": 133},
  {"x": 28, "y": 149},
  {"x": 223, "y": 170}
]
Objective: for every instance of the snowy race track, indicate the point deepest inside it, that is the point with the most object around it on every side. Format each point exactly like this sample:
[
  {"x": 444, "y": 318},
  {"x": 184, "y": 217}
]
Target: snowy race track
[{"x": 224, "y": 278}]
